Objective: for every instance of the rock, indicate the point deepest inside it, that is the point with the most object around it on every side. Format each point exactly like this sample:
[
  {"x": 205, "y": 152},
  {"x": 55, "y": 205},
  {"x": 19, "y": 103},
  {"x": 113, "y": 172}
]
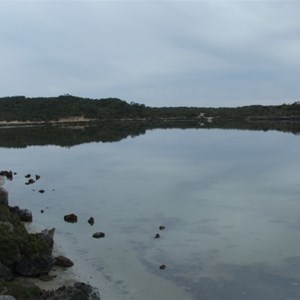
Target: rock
[
  {"x": 157, "y": 236},
  {"x": 47, "y": 236},
  {"x": 63, "y": 261},
  {"x": 3, "y": 196},
  {"x": 91, "y": 221},
  {"x": 41, "y": 191},
  {"x": 28, "y": 176},
  {"x": 30, "y": 181},
  {"x": 34, "y": 266},
  {"x": 6, "y": 273},
  {"x": 162, "y": 267},
  {"x": 42, "y": 211},
  {"x": 71, "y": 218},
  {"x": 25, "y": 215},
  {"x": 98, "y": 235},
  {"x": 7, "y": 297},
  {"x": 162, "y": 227},
  {"x": 78, "y": 291},
  {"x": 37, "y": 177},
  {"x": 7, "y": 174}
]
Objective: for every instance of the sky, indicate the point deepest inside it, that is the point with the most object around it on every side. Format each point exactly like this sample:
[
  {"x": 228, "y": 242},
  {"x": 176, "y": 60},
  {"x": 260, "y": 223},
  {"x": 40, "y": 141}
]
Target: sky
[{"x": 159, "y": 53}]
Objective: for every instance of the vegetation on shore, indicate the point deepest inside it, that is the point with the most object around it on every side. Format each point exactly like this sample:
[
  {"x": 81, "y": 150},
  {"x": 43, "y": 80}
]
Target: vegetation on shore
[{"x": 41, "y": 109}]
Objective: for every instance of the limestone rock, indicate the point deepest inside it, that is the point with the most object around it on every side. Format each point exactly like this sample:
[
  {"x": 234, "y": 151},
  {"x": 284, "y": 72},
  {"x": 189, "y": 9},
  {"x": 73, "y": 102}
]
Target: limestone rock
[
  {"x": 63, "y": 261},
  {"x": 7, "y": 174},
  {"x": 34, "y": 266},
  {"x": 48, "y": 237},
  {"x": 25, "y": 215}
]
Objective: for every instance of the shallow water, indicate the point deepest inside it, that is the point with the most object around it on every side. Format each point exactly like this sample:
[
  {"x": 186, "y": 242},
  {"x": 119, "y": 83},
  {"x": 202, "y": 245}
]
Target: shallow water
[{"x": 229, "y": 200}]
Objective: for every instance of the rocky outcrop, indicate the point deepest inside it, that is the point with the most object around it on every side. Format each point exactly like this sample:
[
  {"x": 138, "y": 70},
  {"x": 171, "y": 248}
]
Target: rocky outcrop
[
  {"x": 34, "y": 266},
  {"x": 47, "y": 236},
  {"x": 7, "y": 174},
  {"x": 25, "y": 215},
  {"x": 78, "y": 291}
]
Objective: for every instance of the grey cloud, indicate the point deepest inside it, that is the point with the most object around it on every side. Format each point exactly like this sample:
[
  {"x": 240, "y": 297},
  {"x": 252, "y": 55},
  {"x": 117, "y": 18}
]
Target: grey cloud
[{"x": 165, "y": 53}]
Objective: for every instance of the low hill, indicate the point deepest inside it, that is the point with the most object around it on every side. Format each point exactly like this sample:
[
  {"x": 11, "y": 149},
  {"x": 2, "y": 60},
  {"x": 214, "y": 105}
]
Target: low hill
[{"x": 68, "y": 107}]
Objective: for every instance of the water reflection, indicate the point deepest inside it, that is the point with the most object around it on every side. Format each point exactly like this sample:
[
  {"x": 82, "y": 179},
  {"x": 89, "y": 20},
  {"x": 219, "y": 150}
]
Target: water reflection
[
  {"x": 68, "y": 136},
  {"x": 229, "y": 201}
]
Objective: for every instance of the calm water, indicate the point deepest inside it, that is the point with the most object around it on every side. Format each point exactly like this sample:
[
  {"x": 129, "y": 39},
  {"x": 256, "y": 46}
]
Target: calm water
[{"x": 230, "y": 201}]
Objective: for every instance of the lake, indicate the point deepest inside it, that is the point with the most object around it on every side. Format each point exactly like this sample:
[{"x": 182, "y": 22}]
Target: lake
[{"x": 229, "y": 201}]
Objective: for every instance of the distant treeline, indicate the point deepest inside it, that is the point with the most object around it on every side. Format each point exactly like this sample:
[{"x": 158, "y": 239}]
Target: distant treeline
[{"x": 20, "y": 108}]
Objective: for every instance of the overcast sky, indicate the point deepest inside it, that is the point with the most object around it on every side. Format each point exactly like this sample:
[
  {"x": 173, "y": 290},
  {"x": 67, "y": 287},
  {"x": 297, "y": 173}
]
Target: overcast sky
[{"x": 160, "y": 53}]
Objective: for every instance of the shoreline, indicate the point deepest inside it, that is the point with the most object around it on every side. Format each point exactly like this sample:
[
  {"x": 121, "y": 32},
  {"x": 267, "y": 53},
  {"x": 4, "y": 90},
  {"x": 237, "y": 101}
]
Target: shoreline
[{"x": 32, "y": 263}]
